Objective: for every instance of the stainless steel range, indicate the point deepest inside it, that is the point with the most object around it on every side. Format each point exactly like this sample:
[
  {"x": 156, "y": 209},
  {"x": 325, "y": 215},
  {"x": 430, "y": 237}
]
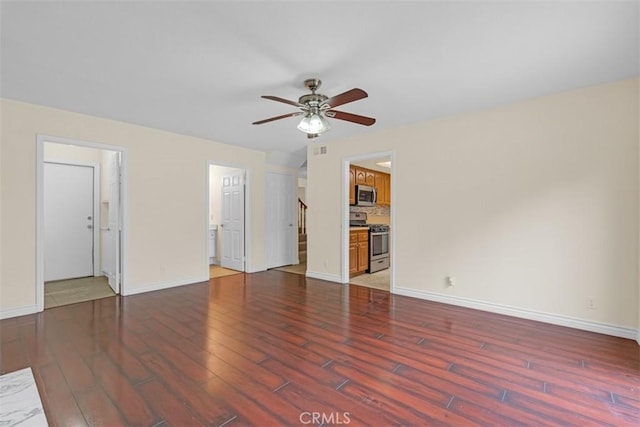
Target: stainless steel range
[{"x": 378, "y": 241}]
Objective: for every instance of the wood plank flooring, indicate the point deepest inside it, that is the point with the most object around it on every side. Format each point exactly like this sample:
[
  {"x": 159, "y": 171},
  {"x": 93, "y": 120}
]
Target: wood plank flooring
[{"x": 277, "y": 348}]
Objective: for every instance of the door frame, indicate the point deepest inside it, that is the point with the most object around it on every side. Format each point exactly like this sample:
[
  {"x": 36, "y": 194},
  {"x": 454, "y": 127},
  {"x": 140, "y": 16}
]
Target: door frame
[
  {"x": 294, "y": 214},
  {"x": 97, "y": 255},
  {"x": 40, "y": 141},
  {"x": 248, "y": 262},
  {"x": 346, "y": 162}
]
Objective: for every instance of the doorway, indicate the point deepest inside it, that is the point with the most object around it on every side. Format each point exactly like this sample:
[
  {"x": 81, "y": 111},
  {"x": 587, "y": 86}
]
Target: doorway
[
  {"x": 377, "y": 169},
  {"x": 281, "y": 221},
  {"x": 70, "y": 202},
  {"x": 79, "y": 221},
  {"x": 227, "y": 225}
]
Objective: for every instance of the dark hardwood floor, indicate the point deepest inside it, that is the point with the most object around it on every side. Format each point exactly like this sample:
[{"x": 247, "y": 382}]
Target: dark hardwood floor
[{"x": 276, "y": 348}]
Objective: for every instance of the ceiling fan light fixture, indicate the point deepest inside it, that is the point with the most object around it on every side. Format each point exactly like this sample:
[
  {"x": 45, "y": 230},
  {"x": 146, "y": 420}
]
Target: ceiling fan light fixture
[
  {"x": 316, "y": 109},
  {"x": 313, "y": 122}
]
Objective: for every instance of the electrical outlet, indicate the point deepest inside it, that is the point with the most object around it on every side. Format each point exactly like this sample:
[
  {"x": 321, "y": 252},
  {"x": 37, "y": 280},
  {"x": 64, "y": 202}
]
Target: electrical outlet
[
  {"x": 451, "y": 281},
  {"x": 591, "y": 303}
]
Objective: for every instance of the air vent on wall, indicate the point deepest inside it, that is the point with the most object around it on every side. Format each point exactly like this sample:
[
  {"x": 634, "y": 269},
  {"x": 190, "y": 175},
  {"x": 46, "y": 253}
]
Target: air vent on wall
[{"x": 320, "y": 150}]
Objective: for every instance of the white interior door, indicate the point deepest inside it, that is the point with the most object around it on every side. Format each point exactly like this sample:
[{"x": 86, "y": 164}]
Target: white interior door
[
  {"x": 232, "y": 226},
  {"x": 281, "y": 230},
  {"x": 68, "y": 221},
  {"x": 111, "y": 236}
]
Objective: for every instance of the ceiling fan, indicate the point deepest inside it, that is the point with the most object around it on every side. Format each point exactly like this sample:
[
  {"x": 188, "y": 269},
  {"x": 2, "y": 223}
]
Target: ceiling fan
[{"x": 316, "y": 108}]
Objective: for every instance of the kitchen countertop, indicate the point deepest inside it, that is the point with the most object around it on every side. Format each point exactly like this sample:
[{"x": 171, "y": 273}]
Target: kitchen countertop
[{"x": 358, "y": 228}]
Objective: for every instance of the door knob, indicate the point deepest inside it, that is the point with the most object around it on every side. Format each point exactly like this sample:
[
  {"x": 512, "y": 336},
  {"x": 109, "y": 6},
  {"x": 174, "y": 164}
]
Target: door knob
[
  {"x": 89, "y": 226},
  {"x": 89, "y": 217}
]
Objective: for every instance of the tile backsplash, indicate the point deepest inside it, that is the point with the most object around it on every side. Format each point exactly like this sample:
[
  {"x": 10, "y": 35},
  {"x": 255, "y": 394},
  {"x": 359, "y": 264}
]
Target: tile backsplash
[{"x": 372, "y": 210}]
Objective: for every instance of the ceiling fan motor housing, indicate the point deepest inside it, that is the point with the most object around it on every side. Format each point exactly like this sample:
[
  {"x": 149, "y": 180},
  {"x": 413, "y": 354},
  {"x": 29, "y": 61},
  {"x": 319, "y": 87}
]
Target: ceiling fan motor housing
[{"x": 312, "y": 99}]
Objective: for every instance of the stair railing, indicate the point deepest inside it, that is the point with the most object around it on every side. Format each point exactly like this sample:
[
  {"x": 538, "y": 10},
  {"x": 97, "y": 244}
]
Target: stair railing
[{"x": 302, "y": 217}]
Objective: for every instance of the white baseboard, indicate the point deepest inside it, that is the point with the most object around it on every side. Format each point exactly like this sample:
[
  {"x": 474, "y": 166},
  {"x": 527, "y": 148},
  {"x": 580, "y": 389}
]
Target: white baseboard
[
  {"x": 163, "y": 285},
  {"x": 324, "y": 276},
  {"x": 555, "y": 319},
  {"x": 19, "y": 311}
]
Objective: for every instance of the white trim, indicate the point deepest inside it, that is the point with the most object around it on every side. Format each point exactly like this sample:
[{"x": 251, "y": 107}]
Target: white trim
[
  {"x": 150, "y": 287},
  {"x": 346, "y": 163},
  {"x": 248, "y": 261},
  {"x": 324, "y": 276},
  {"x": 638, "y": 336},
  {"x": 124, "y": 216},
  {"x": 40, "y": 141},
  {"x": 555, "y": 319},
  {"x": 39, "y": 223},
  {"x": 208, "y": 218},
  {"x": 19, "y": 311}
]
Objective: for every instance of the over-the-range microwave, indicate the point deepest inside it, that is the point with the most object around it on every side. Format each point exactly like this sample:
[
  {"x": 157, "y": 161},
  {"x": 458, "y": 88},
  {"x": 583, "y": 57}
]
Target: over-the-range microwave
[{"x": 365, "y": 195}]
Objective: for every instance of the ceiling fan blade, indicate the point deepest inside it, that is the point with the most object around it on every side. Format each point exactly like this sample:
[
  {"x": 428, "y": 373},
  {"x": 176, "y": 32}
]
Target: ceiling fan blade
[
  {"x": 346, "y": 97},
  {"x": 361, "y": 120},
  {"x": 286, "y": 101},
  {"x": 284, "y": 116}
]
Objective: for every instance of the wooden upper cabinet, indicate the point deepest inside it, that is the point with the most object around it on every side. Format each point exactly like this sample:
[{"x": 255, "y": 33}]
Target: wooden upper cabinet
[
  {"x": 361, "y": 176},
  {"x": 383, "y": 186},
  {"x": 370, "y": 178},
  {"x": 352, "y": 186}
]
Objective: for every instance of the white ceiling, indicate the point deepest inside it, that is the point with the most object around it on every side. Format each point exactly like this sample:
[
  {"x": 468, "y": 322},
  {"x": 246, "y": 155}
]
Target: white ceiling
[{"x": 199, "y": 68}]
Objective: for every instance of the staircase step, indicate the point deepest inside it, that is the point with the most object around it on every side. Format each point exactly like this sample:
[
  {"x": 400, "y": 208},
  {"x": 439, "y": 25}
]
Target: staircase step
[
  {"x": 302, "y": 256},
  {"x": 302, "y": 237},
  {"x": 302, "y": 246}
]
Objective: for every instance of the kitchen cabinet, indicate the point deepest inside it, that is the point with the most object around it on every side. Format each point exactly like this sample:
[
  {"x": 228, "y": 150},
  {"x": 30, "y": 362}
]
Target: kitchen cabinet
[
  {"x": 380, "y": 180},
  {"x": 352, "y": 186},
  {"x": 383, "y": 186},
  {"x": 353, "y": 253},
  {"x": 369, "y": 178},
  {"x": 358, "y": 251},
  {"x": 361, "y": 176}
]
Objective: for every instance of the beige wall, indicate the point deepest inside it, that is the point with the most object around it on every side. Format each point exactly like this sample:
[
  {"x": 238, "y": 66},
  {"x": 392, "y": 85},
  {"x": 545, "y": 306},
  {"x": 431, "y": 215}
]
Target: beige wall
[
  {"x": 166, "y": 199},
  {"x": 533, "y": 207}
]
